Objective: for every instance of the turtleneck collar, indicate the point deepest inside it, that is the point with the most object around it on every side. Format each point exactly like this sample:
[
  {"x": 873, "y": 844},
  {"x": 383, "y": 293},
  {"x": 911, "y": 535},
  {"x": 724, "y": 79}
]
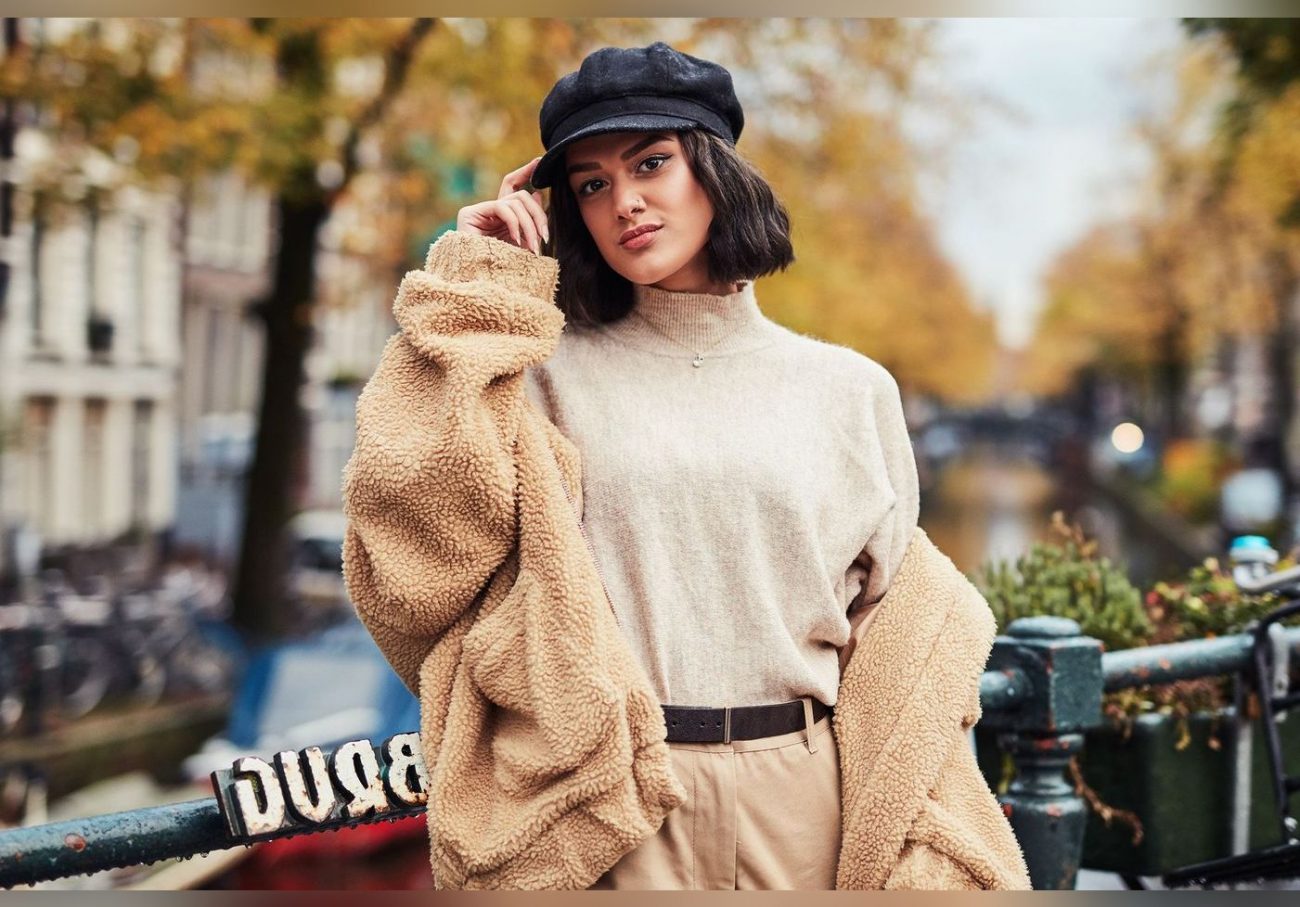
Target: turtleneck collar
[{"x": 680, "y": 324}]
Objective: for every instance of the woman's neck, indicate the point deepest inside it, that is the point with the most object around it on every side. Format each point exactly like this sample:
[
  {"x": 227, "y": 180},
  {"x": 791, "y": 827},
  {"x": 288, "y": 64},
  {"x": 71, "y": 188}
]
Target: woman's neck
[
  {"x": 671, "y": 321},
  {"x": 708, "y": 287}
]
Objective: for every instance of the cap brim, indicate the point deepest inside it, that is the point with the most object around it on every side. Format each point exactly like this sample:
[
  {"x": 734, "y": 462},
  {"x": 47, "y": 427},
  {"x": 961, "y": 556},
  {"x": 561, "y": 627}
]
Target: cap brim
[{"x": 549, "y": 169}]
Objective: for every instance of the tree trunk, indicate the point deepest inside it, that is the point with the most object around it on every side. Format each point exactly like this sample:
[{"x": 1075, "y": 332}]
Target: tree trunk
[{"x": 274, "y": 477}]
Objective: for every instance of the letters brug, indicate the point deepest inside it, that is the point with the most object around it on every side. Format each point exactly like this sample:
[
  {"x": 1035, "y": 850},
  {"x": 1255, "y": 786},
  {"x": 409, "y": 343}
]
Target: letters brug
[{"x": 309, "y": 790}]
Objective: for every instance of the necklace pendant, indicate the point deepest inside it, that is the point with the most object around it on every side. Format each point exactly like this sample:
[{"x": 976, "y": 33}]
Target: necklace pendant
[{"x": 698, "y": 361}]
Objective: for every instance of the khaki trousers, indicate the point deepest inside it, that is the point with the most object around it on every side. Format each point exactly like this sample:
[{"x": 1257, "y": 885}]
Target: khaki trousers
[{"x": 759, "y": 814}]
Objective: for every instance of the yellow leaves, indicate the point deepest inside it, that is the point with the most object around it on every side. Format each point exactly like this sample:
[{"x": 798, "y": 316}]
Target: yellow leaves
[
  {"x": 1106, "y": 297},
  {"x": 1277, "y": 48},
  {"x": 1210, "y": 256},
  {"x": 869, "y": 273},
  {"x": 358, "y": 37},
  {"x": 1269, "y": 165}
]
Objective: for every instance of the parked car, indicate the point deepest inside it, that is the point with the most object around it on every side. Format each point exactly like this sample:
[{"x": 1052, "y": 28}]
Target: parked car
[{"x": 316, "y": 567}]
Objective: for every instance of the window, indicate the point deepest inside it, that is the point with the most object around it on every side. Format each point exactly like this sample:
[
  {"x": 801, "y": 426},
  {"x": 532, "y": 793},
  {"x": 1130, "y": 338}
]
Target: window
[
  {"x": 36, "y": 251},
  {"x": 141, "y": 429},
  {"x": 137, "y": 233},
  {"x": 38, "y": 481},
  {"x": 92, "y": 236},
  {"x": 92, "y": 489}
]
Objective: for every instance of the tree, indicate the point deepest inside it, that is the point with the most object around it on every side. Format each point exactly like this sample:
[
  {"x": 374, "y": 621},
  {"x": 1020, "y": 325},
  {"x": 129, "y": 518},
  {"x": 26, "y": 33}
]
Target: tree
[
  {"x": 1260, "y": 149},
  {"x": 1207, "y": 263},
  {"x": 132, "y": 85}
]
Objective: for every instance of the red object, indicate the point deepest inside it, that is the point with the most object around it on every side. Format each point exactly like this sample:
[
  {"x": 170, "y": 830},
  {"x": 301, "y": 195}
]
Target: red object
[{"x": 379, "y": 856}]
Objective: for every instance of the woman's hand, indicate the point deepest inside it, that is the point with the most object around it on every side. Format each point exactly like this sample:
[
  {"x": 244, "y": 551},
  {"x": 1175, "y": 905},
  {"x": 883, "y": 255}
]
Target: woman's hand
[{"x": 515, "y": 216}]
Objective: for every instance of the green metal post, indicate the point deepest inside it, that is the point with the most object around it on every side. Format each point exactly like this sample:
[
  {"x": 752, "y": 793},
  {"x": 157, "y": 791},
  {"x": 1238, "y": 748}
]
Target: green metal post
[{"x": 1042, "y": 734}]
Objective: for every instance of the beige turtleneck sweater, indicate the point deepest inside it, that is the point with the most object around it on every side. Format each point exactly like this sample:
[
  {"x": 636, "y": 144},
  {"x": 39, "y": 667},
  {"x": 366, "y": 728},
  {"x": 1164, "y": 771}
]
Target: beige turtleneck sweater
[{"x": 739, "y": 509}]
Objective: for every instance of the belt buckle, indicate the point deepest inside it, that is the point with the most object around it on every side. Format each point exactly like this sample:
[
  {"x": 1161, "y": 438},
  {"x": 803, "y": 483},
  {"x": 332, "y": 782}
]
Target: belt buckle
[{"x": 726, "y": 724}]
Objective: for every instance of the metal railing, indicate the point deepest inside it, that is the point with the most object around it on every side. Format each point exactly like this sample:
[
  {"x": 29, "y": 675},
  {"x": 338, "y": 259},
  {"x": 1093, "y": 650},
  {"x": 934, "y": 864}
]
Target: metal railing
[
  {"x": 1041, "y": 691},
  {"x": 1051, "y": 694}
]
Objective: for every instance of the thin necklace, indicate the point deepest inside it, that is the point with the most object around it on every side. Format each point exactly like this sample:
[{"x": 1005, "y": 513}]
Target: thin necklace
[{"x": 699, "y": 354}]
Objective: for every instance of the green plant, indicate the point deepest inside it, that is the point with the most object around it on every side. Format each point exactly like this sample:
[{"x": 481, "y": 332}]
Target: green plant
[
  {"x": 1068, "y": 579},
  {"x": 1204, "y": 605}
]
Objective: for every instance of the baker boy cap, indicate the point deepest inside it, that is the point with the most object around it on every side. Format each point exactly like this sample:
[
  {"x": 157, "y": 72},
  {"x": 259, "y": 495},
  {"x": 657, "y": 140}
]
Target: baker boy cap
[{"x": 635, "y": 89}]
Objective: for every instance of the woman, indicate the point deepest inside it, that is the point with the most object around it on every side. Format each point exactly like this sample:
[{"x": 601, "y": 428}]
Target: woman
[{"x": 744, "y": 495}]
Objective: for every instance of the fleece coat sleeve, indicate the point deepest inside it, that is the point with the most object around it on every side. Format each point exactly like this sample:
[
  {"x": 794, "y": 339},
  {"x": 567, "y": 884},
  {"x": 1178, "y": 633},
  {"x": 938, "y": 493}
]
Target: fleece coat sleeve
[
  {"x": 917, "y": 813},
  {"x": 441, "y": 411}
]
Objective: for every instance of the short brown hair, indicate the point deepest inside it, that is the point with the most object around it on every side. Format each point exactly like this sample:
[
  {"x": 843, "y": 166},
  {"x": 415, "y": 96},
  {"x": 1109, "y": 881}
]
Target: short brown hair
[{"x": 749, "y": 236}]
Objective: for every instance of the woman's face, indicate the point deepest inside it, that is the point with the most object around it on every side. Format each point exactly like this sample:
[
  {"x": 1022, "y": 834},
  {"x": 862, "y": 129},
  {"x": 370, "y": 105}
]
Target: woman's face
[{"x": 626, "y": 180}]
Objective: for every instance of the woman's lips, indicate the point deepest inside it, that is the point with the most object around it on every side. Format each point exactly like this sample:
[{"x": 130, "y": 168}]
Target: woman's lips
[{"x": 641, "y": 240}]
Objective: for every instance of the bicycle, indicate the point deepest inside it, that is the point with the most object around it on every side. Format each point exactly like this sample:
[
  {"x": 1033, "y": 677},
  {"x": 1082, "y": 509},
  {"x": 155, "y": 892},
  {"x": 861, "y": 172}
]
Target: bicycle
[
  {"x": 1269, "y": 675},
  {"x": 65, "y": 654}
]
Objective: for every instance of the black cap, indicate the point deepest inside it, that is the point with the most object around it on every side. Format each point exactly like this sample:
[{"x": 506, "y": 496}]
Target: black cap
[{"x": 635, "y": 89}]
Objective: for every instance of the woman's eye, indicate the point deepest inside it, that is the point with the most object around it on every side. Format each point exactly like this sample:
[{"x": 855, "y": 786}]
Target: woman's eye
[{"x": 595, "y": 185}]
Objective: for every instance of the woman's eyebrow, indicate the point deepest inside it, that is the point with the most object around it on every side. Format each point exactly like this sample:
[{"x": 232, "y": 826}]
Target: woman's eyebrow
[{"x": 644, "y": 143}]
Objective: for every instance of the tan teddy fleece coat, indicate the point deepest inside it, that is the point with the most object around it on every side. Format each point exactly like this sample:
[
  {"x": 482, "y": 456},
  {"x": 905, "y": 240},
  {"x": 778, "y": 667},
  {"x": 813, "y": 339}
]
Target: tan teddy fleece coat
[{"x": 543, "y": 739}]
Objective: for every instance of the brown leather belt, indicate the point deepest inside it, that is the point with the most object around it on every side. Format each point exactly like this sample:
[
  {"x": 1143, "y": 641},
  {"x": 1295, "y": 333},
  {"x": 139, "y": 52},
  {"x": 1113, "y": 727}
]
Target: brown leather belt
[{"x": 706, "y": 724}]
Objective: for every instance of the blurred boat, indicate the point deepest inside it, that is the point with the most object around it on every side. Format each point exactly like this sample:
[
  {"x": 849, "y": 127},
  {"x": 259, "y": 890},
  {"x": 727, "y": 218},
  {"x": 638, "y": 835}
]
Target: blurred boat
[{"x": 327, "y": 689}]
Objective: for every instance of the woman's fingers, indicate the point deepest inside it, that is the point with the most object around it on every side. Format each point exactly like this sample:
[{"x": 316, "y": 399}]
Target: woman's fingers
[
  {"x": 505, "y": 219},
  {"x": 525, "y": 225},
  {"x": 481, "y": 218},
  {"x": 510, "y": 218},
  {"x": 532, "y": 202},
  {"x": 517, "y": 179},
  {"x": 530, "y": 219},
  {"x": 516, "y": 213}
]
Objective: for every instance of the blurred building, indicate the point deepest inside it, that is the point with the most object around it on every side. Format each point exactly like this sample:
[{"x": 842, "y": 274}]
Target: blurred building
[
  {"x": 227, "y": 247},
  {"x": 131, "y": 353},
  {"x": 353, "y": 322},
  {"x": 230, "y": 238},
  {"x": 88, "y": 342},
  {"x": 88, "y": 368},
  {"x": 228, "y": 254}
]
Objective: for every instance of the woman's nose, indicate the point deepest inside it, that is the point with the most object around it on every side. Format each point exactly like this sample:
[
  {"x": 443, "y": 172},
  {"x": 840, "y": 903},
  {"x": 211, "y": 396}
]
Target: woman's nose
[{"x": 629, "y": 202}]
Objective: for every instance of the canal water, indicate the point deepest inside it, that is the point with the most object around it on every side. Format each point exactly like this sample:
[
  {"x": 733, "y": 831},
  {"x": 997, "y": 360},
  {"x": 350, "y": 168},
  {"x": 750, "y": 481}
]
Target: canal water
[{"x": 991, "y": 502}]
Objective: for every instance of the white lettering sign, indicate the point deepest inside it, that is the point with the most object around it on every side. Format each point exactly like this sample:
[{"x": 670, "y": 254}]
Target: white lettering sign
[
  {"x": 257, "y": 796},
  {"x": 309, "y": 789},
  {"x": 311, "y": 795}
]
